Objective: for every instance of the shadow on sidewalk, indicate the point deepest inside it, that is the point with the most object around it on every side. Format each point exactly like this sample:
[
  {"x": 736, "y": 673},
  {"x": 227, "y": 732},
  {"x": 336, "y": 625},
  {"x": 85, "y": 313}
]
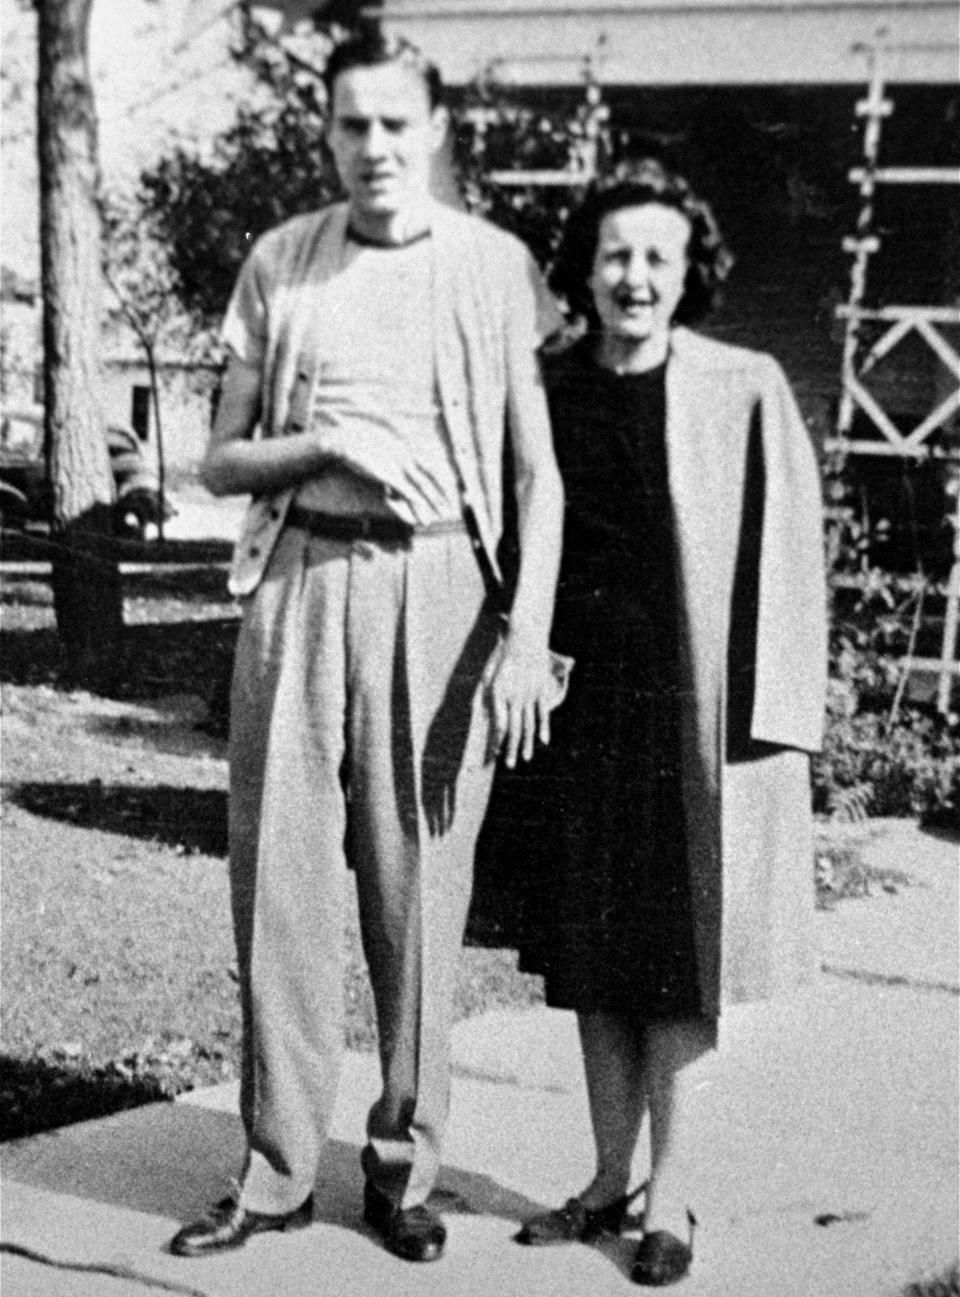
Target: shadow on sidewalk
[{"x": 175, "y": 1159}]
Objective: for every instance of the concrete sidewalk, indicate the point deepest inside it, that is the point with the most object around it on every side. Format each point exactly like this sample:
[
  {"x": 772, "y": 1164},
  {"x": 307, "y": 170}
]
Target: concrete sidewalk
[{"x": 841, "y": 1106}]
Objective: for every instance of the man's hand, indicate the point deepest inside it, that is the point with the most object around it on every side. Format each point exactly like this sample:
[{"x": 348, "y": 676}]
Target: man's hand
[
  {"x": 381, "y": 455},
  {"x": 521, "y": 691}
]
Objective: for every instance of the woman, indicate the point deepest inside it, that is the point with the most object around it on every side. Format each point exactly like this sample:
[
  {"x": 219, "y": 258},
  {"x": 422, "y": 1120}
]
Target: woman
[{"x": 677, "y": 875}]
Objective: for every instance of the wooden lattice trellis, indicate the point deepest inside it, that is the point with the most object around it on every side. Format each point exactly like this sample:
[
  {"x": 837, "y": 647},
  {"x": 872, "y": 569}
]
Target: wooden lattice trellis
[
  {"x": 926, "y": 321},
  {"x": 586, "y": 152},
  {"x": 896, "y": 323}
]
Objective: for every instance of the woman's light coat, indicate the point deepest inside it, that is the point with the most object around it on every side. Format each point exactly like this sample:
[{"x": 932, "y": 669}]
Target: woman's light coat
[{"x": 748, "y": 516}]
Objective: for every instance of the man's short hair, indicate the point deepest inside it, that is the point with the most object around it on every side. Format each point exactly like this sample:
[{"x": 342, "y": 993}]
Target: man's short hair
[{"x": 371, "y": 47}]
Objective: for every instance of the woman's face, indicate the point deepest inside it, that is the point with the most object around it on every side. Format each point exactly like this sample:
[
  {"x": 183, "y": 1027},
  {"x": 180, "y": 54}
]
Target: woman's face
[{"x": 639, "y": 270}]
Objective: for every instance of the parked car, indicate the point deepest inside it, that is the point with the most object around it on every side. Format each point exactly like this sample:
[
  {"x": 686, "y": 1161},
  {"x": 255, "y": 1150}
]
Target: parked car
[{"x": 25, "y": 491}]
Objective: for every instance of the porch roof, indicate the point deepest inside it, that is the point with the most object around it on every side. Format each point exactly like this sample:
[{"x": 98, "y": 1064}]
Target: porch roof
[{"x": 681, "y": 42}]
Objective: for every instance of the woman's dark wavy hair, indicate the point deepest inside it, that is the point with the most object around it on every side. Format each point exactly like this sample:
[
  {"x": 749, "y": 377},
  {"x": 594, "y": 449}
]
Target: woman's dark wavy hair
[
  {"x": 370, "y": 47},
  {"x": 635, "y": 184}
]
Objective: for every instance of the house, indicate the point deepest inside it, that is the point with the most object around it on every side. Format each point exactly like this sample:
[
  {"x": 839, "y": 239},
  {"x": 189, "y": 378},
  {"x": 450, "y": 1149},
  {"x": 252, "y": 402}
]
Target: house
[
  {"x": 186, "y": 392},
  {"x": 757, "y": 101}
]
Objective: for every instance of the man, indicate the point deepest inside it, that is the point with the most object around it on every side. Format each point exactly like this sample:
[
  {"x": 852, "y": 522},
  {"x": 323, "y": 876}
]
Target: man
[{"x": 378, "y": 349}]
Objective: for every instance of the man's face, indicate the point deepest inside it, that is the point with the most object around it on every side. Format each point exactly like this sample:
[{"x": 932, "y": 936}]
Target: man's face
[{"x": 383, "y": 135}]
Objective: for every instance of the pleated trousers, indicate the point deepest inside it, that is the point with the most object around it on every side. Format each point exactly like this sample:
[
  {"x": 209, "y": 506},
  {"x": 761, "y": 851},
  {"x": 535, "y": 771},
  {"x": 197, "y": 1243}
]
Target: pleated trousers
[{"x": 360, "y": 739}]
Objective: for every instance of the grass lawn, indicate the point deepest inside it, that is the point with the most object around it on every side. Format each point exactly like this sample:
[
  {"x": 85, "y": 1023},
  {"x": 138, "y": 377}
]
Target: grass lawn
[{"x": 118, "y": 968}]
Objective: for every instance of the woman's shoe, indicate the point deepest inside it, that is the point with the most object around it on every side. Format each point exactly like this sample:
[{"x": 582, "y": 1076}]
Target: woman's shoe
[
  {"x": 574, "y": 1223},
  {"x": 662, "y": 1258}
]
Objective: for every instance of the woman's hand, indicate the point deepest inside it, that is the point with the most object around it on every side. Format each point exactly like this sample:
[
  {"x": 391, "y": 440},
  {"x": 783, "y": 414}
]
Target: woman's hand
[{"x": 521, "y": 688}]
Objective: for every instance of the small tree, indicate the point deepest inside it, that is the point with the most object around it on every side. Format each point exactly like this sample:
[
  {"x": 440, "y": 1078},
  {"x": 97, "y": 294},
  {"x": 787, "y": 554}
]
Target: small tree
[{"x": 141, "y": 283}]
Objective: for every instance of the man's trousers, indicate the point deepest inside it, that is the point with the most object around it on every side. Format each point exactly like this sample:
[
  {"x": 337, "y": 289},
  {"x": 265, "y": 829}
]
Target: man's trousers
[{"x": 359, "y": 735}]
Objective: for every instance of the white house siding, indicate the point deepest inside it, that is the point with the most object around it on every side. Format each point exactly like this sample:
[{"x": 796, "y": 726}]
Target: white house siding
[
  {"x": 184, "y": 408},
  {"x": 679, "y": 42}
]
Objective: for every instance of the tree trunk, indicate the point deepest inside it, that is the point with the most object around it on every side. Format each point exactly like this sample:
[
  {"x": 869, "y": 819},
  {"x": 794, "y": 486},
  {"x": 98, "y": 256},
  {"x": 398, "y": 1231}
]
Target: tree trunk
[
  {"x": 161, "y": 451},
  {"x": 86, "y": 579}
]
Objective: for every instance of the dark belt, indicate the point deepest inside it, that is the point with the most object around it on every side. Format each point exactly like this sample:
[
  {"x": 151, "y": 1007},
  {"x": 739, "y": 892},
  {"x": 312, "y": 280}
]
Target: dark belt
[{"x": 348, "y": 527}]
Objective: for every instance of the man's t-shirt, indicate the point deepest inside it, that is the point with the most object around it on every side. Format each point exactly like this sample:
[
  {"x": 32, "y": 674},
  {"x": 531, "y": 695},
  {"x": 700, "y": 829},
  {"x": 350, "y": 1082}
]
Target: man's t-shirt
[{"x": 376, "y": 372}]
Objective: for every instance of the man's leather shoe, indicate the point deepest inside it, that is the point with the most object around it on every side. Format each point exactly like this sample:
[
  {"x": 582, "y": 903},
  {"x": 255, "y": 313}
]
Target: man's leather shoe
[
  {"x": 414, "y": 1233},
  {"x": 229, "y": 1225}
]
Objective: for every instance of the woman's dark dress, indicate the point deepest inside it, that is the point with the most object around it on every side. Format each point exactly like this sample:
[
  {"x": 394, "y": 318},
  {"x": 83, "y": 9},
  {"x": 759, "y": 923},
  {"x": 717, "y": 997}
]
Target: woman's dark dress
[{"x": 608, "y": 917}]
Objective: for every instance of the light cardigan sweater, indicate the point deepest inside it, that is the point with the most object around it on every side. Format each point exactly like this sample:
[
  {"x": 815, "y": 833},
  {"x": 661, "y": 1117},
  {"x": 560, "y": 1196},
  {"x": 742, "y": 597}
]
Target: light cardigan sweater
[{"x": 490, "y": 313}]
